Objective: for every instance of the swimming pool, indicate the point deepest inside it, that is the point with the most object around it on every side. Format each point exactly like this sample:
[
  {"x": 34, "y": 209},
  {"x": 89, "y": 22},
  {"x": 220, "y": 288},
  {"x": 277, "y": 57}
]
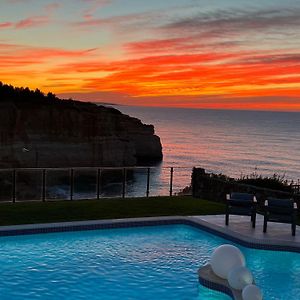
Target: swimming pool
[{"x": 157, "y": 262}]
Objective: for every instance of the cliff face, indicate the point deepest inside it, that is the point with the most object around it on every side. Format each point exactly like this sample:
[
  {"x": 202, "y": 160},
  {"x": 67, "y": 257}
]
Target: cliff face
[{"x": 71, "y": 134}]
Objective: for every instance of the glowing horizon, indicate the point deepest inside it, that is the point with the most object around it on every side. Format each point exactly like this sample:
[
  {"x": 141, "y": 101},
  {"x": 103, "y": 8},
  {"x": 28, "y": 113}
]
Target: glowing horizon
[{"x": 194, "y": 54}]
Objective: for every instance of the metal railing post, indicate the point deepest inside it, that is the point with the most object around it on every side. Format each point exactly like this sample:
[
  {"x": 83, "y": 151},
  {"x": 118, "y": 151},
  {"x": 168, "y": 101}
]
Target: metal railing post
[
  {"x": 171, "y": 181},
  {"x": 14, "y": 187},
  {"x": 71, "y": 184},
  {"x": 44, "y": 185},
  {"x": 148, "y": 182},
  {"x": 124, "y": 183},
  {"x": 98, "y": 183}
]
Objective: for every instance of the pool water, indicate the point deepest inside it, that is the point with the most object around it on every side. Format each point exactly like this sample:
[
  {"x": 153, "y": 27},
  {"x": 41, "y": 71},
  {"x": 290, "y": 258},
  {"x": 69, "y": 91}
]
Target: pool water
[{"x": 158, "y": 262}]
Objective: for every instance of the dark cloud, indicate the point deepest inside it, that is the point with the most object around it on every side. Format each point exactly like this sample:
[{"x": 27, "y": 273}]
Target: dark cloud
[
  {"x": 293, "y": 58},
  {"x": 225, "y": 22}
]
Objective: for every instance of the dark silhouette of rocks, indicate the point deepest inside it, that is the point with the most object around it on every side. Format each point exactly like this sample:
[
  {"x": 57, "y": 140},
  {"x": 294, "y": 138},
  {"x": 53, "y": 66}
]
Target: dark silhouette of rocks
[{"x": 38, "y": 130}]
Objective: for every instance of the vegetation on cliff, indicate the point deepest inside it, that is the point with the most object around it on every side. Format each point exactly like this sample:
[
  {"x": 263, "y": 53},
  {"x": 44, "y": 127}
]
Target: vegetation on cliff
[
  {"x": 23, "y": 95},
  {"x": 274, "y": 182}
]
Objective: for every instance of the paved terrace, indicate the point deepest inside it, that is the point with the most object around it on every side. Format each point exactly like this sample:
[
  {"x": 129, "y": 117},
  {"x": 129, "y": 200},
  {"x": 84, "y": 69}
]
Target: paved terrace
[{"x": 240, "y": 227}]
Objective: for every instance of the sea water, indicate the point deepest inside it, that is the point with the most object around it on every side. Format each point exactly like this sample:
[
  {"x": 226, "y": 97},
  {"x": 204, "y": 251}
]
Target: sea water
[{"x": 235, "y": 143}]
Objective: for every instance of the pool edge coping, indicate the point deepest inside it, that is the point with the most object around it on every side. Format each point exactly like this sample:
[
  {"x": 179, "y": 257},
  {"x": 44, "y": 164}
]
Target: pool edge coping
[{"x": 194, "y": 221}]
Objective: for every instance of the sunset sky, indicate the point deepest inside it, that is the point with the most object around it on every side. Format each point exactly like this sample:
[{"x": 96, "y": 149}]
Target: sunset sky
[{"x": 236, "y": 54}]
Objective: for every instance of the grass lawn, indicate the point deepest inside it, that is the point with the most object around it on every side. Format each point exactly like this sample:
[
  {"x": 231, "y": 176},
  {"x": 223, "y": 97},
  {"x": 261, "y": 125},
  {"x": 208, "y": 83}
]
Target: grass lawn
[{"x": 60, "y": 211}]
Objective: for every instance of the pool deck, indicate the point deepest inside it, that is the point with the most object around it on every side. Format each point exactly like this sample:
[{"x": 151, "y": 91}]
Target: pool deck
[{"x": 240, "y": 227}]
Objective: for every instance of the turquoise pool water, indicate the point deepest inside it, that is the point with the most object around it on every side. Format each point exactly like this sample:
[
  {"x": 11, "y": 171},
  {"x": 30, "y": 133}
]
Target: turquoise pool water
[{"x": 133, "y": 263}]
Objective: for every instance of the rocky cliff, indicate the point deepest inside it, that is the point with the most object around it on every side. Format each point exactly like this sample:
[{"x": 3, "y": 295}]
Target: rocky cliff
[{"x": 70, "y": 133}]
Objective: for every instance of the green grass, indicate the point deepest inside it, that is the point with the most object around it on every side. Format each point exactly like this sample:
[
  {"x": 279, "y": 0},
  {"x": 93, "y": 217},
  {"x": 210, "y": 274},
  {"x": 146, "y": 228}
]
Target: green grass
[{"x": 63, "y": 211}]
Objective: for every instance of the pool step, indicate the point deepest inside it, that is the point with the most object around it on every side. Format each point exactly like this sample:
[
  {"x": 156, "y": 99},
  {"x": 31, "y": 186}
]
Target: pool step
[{"x": 208, "y": 279}]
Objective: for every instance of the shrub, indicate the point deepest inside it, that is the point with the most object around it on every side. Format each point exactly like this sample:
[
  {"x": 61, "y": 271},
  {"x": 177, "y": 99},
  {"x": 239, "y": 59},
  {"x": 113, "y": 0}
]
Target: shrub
[{"x": 274, "y": 182}]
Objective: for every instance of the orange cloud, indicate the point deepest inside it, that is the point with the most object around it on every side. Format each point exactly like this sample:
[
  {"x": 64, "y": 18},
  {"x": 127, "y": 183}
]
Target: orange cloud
[
  {"x": 6, "y": 25},
  {"x": 222, "y": 75},
  {"x": 32, "y": 22},
  {"x": 18, "y": 63},
  {"x": 35, "y": 21},
  {"x": 224, "y": 58},
  {"x": 192, "y": 74},
  {"x": 20, "y": 55}
]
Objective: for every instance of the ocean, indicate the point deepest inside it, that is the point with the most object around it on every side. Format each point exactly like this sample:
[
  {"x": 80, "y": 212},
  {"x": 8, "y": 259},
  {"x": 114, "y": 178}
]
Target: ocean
[
  {"x": 234, "y": 143},
  {"x": 231, "y": 142}
]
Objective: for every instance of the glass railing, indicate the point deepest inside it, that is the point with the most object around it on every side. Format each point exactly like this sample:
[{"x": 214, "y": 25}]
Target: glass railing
[{"x": 46, "y": 184}]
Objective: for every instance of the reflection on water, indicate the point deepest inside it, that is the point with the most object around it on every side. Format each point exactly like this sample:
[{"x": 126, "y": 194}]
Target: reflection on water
[{"x": 231, "y": 142}]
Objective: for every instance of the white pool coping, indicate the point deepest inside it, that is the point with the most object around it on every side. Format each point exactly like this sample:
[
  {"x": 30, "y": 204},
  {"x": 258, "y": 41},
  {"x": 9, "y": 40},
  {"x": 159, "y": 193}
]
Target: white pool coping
[{"x": 239, "y": 228}]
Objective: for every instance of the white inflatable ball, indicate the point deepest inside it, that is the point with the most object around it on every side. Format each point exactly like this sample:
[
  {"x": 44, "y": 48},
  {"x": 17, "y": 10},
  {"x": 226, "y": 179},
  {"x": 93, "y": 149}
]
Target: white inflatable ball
[
  {"x": 252, "y": 292},
  {"x": 225, "y": 258},
  {"x": 239, "y": 277}
]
